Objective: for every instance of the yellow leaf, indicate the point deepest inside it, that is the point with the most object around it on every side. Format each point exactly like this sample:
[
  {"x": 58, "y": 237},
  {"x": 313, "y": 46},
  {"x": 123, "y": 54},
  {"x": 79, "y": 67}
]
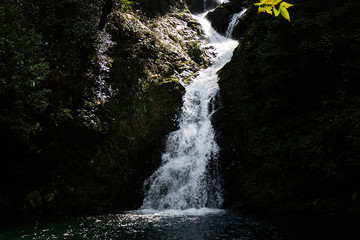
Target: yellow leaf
[
  {"x": 274, "y": 2},
  {"x": 265, "y": 9},
  {"x": 284, "y": 12},
  {"x": 262, "y": 2},
  {"x": 276, "y": 11},
  {"x": 268, "y": 6},
  {"x": 261, "y": 9},
  {"x": 268, "y": 9},
  {"x": 286, "y": 5}
]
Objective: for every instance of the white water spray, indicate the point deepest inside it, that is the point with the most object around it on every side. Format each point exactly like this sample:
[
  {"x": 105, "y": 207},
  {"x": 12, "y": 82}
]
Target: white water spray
[
  {"x": 234, "y": 20},
  {"x": 188, "y": 177}
]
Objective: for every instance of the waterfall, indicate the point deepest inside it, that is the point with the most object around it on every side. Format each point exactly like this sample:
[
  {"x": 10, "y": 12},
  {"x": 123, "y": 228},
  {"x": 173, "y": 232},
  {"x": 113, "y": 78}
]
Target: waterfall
[
  {"x": 188, "y": 177},
  {"x": 234, "y": 20}
]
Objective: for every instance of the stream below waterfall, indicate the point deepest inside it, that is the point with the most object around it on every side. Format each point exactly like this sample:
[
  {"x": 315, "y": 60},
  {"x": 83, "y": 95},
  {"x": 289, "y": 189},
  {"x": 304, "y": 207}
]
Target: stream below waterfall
[
  {"x": 139, "y": 225},
  {"x": 201, "y": 224}
]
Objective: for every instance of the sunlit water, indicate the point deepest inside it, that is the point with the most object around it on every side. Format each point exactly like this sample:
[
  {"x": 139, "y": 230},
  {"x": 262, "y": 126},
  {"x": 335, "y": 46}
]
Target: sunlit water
[
  {"x": 224, "y": 1},
  {"x": 166, "y": 225},
  {"x": 200, "y": 224},
  {"x": 234, "y": 20}
]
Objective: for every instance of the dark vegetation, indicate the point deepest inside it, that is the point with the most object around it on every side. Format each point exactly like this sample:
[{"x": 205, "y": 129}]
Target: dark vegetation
[
  {"x": 291, "y": 108},
  {"x": 63, "y": 149}
]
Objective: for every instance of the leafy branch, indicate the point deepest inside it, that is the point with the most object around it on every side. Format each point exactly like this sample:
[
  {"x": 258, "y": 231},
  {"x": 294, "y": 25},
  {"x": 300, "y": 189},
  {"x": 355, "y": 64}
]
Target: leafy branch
[{"x": 274, "y": 7}]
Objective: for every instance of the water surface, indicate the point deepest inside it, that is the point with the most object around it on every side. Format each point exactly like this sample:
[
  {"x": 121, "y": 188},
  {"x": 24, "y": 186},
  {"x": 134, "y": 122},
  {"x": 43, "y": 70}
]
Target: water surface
[
  {"x": 202, "y": 224},
  {"x": 191, "y": 224}
]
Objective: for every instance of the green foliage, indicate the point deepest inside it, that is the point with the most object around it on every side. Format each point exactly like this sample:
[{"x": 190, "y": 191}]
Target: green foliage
[
  {"x": 47, "y": 71},
  {"x": 69, "y": 29},
  {"x": 64, "y": 150},
  {"x": 23, "y": 70}
]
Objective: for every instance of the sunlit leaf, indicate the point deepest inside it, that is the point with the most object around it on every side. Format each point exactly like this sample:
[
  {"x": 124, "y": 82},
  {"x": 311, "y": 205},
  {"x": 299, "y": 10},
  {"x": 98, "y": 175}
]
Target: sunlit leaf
[
  {"x": 284, "y": 13},
  {"x": 286, "y": 5},
  {"x": 261, "y": 9},
  {"x": 268, "y": 9},
  {"x": 276, "y": 11},
  {"x": 274, "y": 7},
  {"x": 274, "y": 2},
  {"x": 265, "y": 9}
]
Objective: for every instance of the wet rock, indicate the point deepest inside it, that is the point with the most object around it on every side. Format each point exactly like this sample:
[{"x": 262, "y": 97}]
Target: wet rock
[
  {"x": 199, "y": 6},
  {"x": 220, "y": 17}
]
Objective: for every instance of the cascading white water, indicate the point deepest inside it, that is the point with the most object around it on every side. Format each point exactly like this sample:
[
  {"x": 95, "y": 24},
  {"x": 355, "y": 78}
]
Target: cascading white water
[
  {"x": 234, "y": 20},
  {"x": 188, "y": 177}
]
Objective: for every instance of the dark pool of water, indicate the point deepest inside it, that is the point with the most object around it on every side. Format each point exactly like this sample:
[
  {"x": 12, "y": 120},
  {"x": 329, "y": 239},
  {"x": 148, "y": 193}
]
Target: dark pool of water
[{"x": 175, "y": 225}]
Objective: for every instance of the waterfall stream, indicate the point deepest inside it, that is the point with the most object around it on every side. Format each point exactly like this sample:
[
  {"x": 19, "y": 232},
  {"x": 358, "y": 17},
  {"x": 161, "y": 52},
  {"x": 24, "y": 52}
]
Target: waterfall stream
[
  {"x": 234, "y": 20},
  {"x": 188, "y": 176}
]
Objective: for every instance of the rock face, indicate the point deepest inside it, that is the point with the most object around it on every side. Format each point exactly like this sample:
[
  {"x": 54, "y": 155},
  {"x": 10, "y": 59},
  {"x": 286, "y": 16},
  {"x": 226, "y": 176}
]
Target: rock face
[
  {"x": 158, "y": 7},
  {"x": 165, "y": 49},
  {"x": 289, "y": 123},
  {"x": 198, "y": 6},
  {"x": 220, "y": 17}
]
